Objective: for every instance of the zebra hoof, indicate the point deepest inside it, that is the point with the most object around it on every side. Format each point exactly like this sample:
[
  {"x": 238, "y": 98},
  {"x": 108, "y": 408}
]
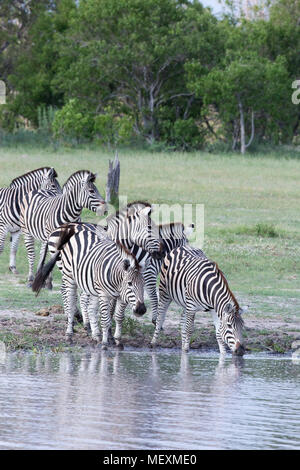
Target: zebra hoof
[
  {"x": 104, "y": 347},
  {"x": 153, "y": 345},
  {"x": 49, "y": 286},
  {"x": 112, "y": 341},
  {"x": 69, "y": 339},
  {"x": 29, "y": 284},
  {"x": 87, "y": 328},
  {"x": 119, "y": 346},
  {"x": 13, "y": 270},
  {"x": 96, "y": 339},
  {"x": 154, "y": 321}
]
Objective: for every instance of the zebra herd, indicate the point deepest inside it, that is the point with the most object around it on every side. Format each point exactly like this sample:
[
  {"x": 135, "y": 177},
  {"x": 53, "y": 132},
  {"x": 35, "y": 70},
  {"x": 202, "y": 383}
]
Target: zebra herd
[{"x": 112, "y": 265}]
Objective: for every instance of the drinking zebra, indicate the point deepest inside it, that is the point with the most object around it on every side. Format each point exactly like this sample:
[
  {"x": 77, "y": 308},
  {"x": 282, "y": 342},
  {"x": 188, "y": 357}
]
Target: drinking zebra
[
  {"x": 103, "y": 269},
  {"x": 196, "y": 283},
  {"x": 43, "y": 211},
  {"x": 10, "y": 205}
]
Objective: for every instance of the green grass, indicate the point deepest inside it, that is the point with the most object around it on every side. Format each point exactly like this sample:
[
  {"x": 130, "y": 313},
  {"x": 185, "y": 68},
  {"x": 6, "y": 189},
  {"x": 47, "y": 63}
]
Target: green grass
[{"x": 251, "y": 208}]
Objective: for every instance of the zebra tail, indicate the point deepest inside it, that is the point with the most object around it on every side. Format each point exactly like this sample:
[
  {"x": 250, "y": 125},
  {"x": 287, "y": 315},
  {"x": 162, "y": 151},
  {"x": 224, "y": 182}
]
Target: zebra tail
[
  {"x": 46, "y": 269},
  {"x": 43, "y": 273}
]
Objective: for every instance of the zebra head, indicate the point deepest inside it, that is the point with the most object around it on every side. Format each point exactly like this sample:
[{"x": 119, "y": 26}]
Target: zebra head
[
  {"x": 49, "y": 181},
  {"x": 88, "y": 196},
  {"x": 142, "y": 230},
  {"x": 231, "y": 328},
  {"x": 132, "y": 291}
]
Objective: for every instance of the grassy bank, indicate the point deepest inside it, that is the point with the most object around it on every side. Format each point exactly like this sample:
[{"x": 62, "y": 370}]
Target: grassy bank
[{"x": 251, "y": 208}]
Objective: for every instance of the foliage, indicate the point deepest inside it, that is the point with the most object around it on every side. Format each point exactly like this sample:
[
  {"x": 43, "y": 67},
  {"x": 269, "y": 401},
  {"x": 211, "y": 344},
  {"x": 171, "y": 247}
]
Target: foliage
[
  {"x": 158, "y": 69},
  {"x": 73, "y": 122},
  {"x": 112, "y": 128}
]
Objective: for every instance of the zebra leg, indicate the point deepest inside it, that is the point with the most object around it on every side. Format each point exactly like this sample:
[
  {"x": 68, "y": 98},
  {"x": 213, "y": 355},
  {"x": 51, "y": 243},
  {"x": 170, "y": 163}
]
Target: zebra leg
[
  {"x": 164, "y": 303},
  {"x": 93, "y": 309},
  {"x": 29, "y": 243},
  {"x": 183, "y": 327},
  {"x": 150, "y": 287},
  {"x": 188, "y": 329},
  {"x": 105, "y": 320},
  {"x": 119, "y": 317},
  {"x": 112, "y": 308},
  {"x": 3, "y": 233},
  {"x": 15, "y": 237},
  {"x": 69, "y": 295},
  {"x": 84, "y": 305},
  {"x": 216, "y": 320}
]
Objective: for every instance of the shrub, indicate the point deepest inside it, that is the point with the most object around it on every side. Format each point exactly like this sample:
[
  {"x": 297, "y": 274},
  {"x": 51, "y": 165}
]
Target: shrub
[{"x": 72, "y": 121}]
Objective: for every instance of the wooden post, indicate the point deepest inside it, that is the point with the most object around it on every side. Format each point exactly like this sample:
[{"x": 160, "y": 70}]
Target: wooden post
[{"x": 113, "y": 181}]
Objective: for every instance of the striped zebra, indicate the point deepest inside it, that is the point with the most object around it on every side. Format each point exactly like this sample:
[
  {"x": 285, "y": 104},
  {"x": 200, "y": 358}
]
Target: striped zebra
[
  {"x": 131, "y": 226},
  {"x": 196, "y": 283},
  {"x": 170, "y": 235},
  {"x": 43, "y": 211},
  {"x": 10, "y": 205},
  {"x": 103, "y": 269}
]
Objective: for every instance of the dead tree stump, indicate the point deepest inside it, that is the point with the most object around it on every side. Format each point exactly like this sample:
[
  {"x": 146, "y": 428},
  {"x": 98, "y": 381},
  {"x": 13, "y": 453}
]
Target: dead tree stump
[{"x": 113, "y": 181}]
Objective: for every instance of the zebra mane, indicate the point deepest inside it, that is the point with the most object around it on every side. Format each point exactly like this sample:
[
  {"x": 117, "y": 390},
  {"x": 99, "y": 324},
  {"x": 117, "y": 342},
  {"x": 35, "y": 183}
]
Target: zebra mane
[
  {"x": 41, "y": 170},
  {"x": 233, "y": 298},
  {"x": 128, "y": 254},
  {"x": 77, "y": 176}
]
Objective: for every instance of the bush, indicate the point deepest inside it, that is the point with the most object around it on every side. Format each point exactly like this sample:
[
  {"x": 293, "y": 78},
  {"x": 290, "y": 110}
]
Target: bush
[
  {"x": 182, "y": 134},
  {"x": 72, "y": 121},
  {"x": 113, "y": 129}
]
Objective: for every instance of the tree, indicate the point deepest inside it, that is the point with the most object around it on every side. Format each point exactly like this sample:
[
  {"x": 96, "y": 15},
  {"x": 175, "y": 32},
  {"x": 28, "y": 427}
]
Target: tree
[{"x": 131, "y": 54}]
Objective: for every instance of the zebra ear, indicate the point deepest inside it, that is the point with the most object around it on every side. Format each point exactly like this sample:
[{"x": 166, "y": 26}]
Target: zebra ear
[
  {"x": 146, "y": 210},
  {"x": 126, "y": 264},
  {"x": 52, "y": 173},
  {"x": 189, "y": 230},
  {"x": 91, "y": 177}
]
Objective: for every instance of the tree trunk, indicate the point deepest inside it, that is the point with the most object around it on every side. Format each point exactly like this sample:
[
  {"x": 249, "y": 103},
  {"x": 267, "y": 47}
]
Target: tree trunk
[
  {"x": 242, "y": 127},
  {"x": 113, "y": 181}
]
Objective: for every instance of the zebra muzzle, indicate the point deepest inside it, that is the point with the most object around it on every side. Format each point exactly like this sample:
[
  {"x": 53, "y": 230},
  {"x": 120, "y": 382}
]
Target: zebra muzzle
[
  {"x": 239, "y": 349},
  {"x": 140, "y": 309}
]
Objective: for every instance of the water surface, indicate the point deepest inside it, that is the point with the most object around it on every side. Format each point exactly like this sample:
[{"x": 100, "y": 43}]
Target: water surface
[{"x": 148, "y": 400}]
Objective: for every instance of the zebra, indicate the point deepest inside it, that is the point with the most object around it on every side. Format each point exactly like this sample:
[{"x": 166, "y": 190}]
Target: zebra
[
  {"x": 44, "y": 211},
  {"x": 171, "y": 235},
  {"x": 105, "y": 270},
  {"x": 194, "y": 282},
  {"x": 10, "y": 205},
  {"x": 131, "y": 226}
]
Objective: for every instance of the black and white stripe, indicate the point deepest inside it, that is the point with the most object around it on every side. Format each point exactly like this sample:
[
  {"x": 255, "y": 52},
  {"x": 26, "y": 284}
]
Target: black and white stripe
[
  {"x": 102, "y": 269},
  {"x": 196, "y": 283},
  {"x": 10, "y": 205},
  {"x": 43, "y": 211}
]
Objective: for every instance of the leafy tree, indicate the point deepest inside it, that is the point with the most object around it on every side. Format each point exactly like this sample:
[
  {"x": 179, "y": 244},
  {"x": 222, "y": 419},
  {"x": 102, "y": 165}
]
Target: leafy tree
[{"x": 132, "y": 53}]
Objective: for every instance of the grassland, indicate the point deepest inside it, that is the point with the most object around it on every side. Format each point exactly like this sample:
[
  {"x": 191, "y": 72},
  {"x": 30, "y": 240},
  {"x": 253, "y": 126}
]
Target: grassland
[{"x": 252, "y": 223}]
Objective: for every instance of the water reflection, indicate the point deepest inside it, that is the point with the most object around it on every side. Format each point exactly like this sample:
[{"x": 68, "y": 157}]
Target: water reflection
[{"x": 149, "y": 400}]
